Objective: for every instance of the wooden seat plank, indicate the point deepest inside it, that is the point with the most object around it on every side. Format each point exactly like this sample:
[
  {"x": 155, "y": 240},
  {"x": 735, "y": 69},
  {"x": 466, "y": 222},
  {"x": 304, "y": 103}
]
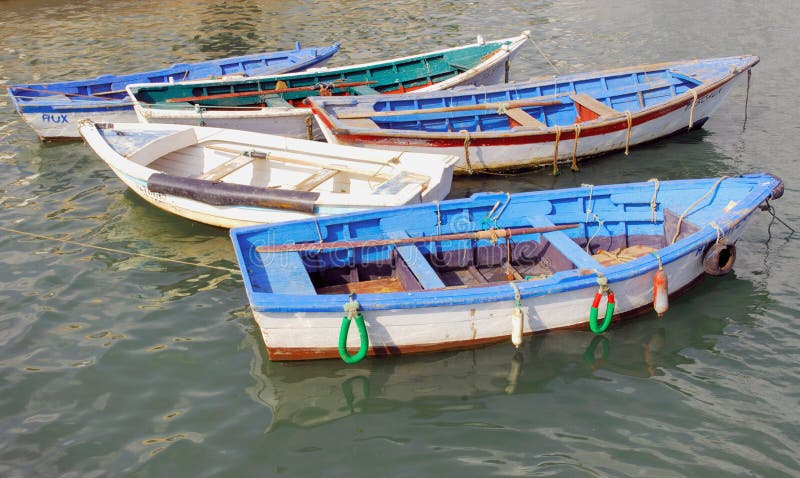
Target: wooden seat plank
[
  {"x": 427, "y": 277},
  {"x": 315, "y": 179},
  {"x": 523, "y": 118},
  {"x": 566, "y": 245},
  {"x": 226, "y": 168},
  {"x": 287, "y": 274},
  {"x": 590, "y": 103}
]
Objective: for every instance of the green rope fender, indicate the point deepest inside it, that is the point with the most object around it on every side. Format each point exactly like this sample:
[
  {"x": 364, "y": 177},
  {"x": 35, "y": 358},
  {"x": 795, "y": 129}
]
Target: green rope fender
[
  {"x": 593, "y": 312},
  {"x": 352, "y": 308}
]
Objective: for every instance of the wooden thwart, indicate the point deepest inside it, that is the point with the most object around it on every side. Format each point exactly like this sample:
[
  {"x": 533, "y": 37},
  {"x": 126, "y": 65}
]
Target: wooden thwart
[
  {"x": 491, "y": 234},
  {"x": 315, "y": 179},
  {"x": 445, "y": 109},
  {"x": 520, "y": 116},
  {"x": 595, "y": 105},
  {"x": 226, "y": 168}
]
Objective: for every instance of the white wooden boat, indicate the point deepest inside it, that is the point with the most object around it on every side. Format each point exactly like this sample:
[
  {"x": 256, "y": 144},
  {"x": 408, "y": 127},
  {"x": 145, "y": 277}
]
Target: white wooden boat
[
  {"x": 468, "y": 272},
  {"x": 540, "y": 122},
  {"x": 232, "y": 178},
  {"x": 275, "y": 104}
]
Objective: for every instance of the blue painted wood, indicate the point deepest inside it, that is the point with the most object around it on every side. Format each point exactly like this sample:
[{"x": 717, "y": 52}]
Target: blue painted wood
[
  {"x": 427, "y": 277},
  {"x": 747, "y": 191},
  {"x": 287, "y": 274},
  {"x": 112, "y": 87},
  {"x": 565, "y": 245}
]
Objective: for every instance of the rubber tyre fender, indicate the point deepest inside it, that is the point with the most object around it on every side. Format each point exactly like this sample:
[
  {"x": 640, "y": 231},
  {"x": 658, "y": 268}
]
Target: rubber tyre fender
[{"x": 719, "y": 258}]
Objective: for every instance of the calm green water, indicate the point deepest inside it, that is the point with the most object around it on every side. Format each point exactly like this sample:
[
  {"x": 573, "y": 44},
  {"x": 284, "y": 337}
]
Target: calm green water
[{"x": 121, "y": 366}]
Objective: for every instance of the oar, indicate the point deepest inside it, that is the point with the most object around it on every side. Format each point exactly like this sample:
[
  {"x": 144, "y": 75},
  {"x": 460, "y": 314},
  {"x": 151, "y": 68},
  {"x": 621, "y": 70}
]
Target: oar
[
  {"x": 49, "y": 92},
  {"x": 267, "y": 92},
  {"x": 485, "y": 234},
  {"x": 302, "y": 162},
  {"x": 447, "y": 109}
]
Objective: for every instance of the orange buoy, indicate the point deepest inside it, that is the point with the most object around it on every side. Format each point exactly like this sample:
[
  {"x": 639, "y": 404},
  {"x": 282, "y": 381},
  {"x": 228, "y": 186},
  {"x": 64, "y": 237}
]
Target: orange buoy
[{"x": 660, "y": 292}]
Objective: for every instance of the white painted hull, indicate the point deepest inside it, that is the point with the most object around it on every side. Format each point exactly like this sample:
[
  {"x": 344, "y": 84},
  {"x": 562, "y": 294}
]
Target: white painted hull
[
  {"x": 187, "y": 151},
  {"x": 462, "y": 326},
  {"x": 517, "y": 156},
  {"x": 289, "y": 122},
  {"x": 63, "y": 125}
]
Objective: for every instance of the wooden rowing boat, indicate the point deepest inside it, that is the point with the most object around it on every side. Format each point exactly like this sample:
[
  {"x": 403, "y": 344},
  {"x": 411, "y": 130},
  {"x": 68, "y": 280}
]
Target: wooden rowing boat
[
  {"x": 54, "y": 109},
  {"x": 230, "y": 178},
  {"x": 272, "y": 104},
  {"x": 443, "y": 291},
  {"x": 540, "y": 122}
]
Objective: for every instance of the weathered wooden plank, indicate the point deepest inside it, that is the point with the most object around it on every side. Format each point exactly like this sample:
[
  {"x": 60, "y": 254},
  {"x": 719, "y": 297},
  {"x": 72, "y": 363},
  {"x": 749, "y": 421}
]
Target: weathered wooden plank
[
  {"x": 523, "y": 118},
  {"x": 315, "y": 179},
  {"x": 565, "y": 245},
  {"x": 593, "y": 104},
  {"x": 226, "y": 168}
]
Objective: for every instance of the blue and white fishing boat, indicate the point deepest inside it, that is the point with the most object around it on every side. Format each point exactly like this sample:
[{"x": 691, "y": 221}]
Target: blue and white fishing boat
[
  {"x": 468, "y": 272},
  {"x": 547, "y": 120},
  {"x": 54, "y": 109}
]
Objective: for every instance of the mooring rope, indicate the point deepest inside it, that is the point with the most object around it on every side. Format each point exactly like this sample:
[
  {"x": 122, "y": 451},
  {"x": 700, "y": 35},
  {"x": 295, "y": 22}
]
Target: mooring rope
[
  {"x": 747, "y": 94},
  {"x": 574, "y": 166},
  {"x": 628, "y": 133},
  {"x": 653, "y": 202},
  {"x": 682, "y": 216},
  {"x": 117, "y": 251},
  {"x": 555, "y": 151},
  {"x": 691, "y": 111},
  {"x": 466, "y": 149},
  {"x": 528, "y": 36}
]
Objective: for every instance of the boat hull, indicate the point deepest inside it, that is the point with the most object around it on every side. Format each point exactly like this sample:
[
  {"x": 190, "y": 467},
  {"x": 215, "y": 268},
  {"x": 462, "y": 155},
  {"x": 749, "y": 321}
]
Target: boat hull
[
  {"x": 244, "y": 200},
  {"x": 299, "y": 122},
  {"x": 55, "y": 117},
  {"x": 306, "y": 336},
  {"x": 505, "y": 152}
]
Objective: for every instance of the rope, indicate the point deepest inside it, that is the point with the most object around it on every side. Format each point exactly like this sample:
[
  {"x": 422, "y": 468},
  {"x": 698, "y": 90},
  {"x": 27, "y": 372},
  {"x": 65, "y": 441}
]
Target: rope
[
  {"x": 555, "y": 152},
  {"x": 502, "y": 108},
  {"x": 351, "y": 307},
  {"x": 680, "y": 219},
  {"x": 438, "y": 219},
  {"x": 588, "y": 202},
  {"x": 628, "y": 133},
  {"x": 747, "y": 94},
  {"x": 199, "y": 111},
  {"x": 658, "y": 258},
  {"x": 618, "y": 255},
  {"x": 309, "y": 129},
  {"x": 466, "y": 149},
  {"x": 599, "y": 226},
  {"x": 118, "y": 251},
  {"x": 720, "y": 232},
  {"x": 653, "y": 203},
  {"x": 517, "y": 295},
  {"x": 574, "y": 166},
  {"x": 528, "y": 36},
  {"x": 691, "y": 111}
]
